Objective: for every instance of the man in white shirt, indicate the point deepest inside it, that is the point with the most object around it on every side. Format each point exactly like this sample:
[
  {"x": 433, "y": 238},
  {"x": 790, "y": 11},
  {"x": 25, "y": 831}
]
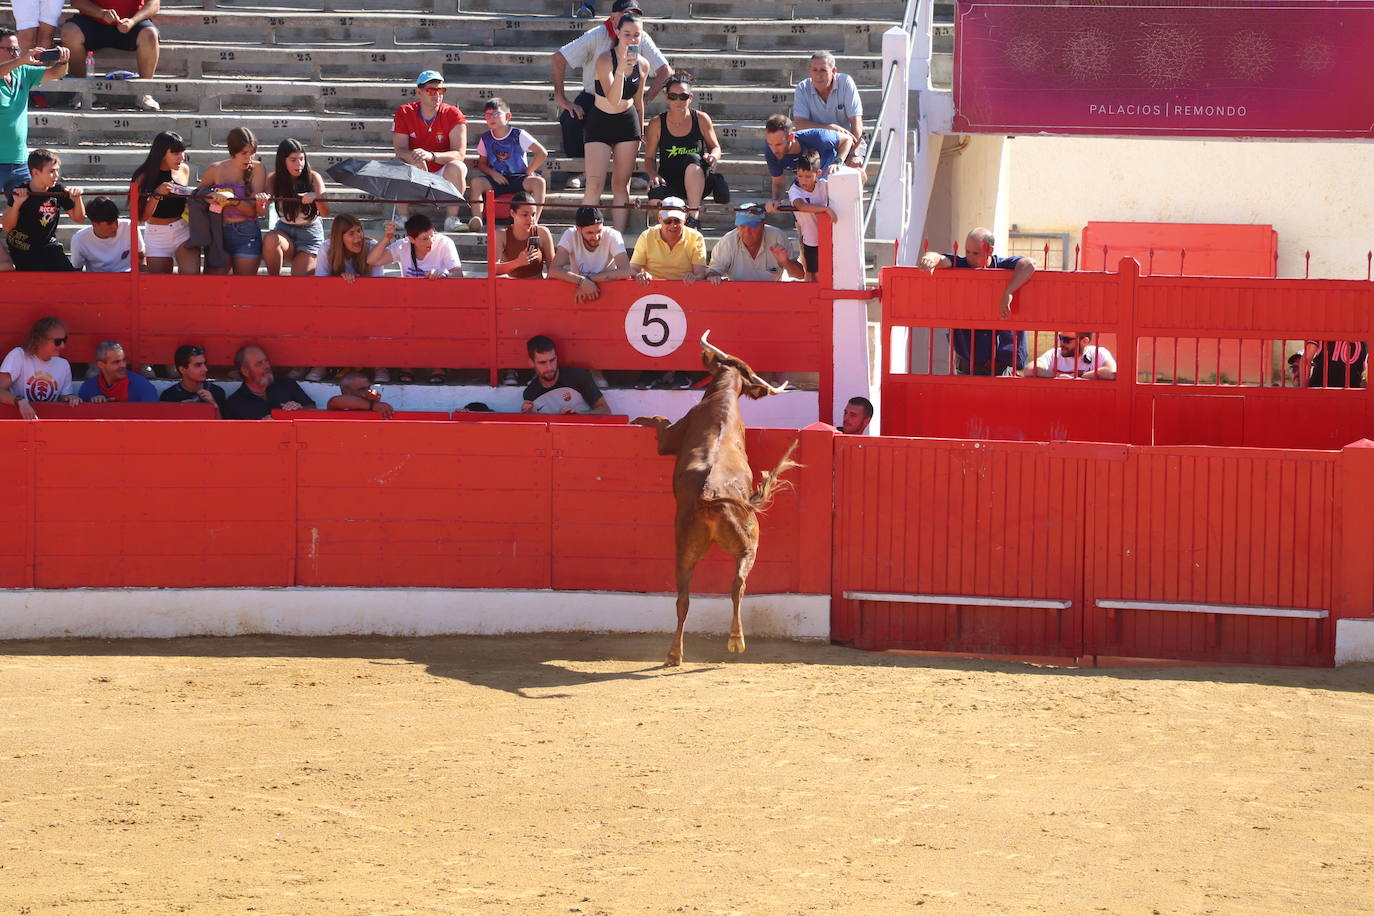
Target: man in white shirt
[
  {"x": 589, "y": 254},
  {"x": 582, "y": 53},
  {"x": 1074, "y": 357},
  {"x": 103, "y": 246},
  {"x": 753, "y": 251}
]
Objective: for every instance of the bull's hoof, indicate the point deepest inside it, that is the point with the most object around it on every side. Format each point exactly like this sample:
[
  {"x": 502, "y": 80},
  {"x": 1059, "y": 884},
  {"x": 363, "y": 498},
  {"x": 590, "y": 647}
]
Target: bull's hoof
[
  {"x": 736, "y": 644},
  {"x": 672, "y": 661}
]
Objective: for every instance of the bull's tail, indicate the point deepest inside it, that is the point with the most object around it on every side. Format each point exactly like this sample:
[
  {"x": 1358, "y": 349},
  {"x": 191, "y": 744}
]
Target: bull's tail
[{"x": 762, "y": 498}]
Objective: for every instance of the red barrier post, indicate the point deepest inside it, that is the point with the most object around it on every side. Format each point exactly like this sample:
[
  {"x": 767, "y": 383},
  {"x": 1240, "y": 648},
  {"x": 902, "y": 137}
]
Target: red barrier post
[{"x": 1352, "y": 579}]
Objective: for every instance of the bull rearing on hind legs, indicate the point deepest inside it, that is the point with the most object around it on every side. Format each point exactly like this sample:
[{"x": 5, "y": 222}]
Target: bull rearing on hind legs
[{"x": 717, "y": 502}]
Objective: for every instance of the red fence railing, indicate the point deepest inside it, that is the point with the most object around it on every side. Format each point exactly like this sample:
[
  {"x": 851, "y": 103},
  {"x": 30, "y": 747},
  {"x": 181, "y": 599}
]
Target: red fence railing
[{"x": 1200, "y": 360}]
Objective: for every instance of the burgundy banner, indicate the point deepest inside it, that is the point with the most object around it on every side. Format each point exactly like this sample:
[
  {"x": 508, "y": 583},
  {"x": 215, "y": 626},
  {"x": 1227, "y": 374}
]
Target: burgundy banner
[{"x": 1226, "y": 68}]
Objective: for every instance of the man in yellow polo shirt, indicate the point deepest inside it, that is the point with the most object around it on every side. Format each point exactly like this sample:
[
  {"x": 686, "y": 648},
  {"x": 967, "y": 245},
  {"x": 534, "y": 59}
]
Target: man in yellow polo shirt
[{"x": 671, "y": 250}]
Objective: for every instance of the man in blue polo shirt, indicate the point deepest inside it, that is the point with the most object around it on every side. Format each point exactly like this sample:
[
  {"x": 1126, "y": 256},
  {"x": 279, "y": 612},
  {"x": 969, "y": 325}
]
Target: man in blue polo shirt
[
  {"x": 829, "y": 99},
  {"x": 974, "y": 352},
  {"x": 785, "y": 144}
]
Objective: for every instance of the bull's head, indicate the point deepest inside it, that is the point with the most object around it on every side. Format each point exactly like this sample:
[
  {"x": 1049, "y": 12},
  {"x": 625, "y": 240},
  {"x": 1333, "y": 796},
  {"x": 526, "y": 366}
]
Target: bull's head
[{"x": 715, "y": 359}]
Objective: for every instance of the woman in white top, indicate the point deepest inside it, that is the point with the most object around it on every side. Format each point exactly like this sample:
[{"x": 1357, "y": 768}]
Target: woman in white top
[
  {"x": 589, "y": 254},
  {"x": 344, "y": 254},
  {"x": 35, "y": 371}
]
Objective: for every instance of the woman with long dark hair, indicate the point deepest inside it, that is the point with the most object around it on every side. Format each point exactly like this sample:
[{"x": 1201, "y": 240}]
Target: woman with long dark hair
[
  {"x": 614, "y": 119},
  {"x": 240, "y": 185},
  {"x": 299, "y": 233},
  {"x": 163, "y": 184},
  {"x": 681, "y": 151}
]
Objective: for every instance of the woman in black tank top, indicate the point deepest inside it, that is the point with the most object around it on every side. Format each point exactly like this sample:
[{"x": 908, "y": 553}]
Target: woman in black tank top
[
  {"x": 163, "y": 171},
  {"x": 613, "y": 122},
  {"x": 681, "y": 151}
]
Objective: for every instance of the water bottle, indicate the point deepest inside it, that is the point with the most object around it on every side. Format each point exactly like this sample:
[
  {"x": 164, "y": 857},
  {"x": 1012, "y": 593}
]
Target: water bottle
[{"x": 90, "y": 64}]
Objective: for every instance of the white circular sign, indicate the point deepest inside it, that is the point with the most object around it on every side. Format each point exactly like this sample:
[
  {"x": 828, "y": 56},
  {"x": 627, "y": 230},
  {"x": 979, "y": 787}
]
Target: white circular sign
[{"x": 655, "y": 325}]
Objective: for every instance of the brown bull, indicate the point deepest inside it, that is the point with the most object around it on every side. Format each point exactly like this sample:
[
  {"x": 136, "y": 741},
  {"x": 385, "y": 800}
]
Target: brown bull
[{"x": 713, "y": 484}]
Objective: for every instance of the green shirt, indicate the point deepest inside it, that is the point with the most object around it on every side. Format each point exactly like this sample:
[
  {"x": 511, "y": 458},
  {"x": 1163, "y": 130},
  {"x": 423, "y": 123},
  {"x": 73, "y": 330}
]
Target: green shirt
[{"x": 14, "y": 112}]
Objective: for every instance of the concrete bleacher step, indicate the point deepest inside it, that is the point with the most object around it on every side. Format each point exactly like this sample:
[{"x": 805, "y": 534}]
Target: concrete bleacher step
[{"x": 756, "y": 9}]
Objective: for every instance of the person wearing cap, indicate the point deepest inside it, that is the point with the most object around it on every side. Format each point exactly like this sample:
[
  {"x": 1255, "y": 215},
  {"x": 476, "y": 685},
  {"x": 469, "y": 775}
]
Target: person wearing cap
[
  {"x": 829, "y": 100},
  {"x": 590, "y": 254},
  {"x": 431, "y": 134},
  {"x": 753, "y": 251},
  {"x": 670, "y": 250},
  {"x": 582, "y": 53}
]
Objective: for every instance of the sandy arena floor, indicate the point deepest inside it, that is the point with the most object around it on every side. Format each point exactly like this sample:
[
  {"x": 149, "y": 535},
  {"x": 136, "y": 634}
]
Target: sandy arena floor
[{"x": 558, "y": 774}]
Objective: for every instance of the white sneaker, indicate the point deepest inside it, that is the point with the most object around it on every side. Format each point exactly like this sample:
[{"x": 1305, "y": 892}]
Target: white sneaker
[
  {"x": 575, "y": 183},
  {"x": 451, "y": 224},
  {"x": 381, "y": 376},
  {"x": 510, "y": 379},
  {"x": 148, "y": 103},
  {"x": 639, "y": 184},
  {"x": 475, "y": 224}
]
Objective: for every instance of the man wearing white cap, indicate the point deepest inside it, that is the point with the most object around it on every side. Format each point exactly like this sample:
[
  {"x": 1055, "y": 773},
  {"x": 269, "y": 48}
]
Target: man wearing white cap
[
  {"x": 753, "y": 251},
  {"x": 433, "y": 135},
  {"x": 670, "y": 250}
]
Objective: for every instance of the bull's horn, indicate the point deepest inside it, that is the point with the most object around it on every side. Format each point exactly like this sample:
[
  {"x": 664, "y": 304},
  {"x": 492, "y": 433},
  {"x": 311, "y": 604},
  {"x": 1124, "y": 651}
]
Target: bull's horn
[
  {"x": 771, "y": 390},
  {"x": 706, "y": 344}
]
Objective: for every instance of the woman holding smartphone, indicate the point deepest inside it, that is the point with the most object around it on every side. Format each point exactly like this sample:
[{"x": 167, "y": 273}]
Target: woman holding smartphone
[
  {"x": 526, "y": 246},
  {"x": 614, "y": 121},
  {"x": 163, "y": 184}
]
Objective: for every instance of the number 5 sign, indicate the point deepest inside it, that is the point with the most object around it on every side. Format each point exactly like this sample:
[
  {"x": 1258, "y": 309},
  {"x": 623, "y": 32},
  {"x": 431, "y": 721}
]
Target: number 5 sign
[{"x": 655, "y": 325}]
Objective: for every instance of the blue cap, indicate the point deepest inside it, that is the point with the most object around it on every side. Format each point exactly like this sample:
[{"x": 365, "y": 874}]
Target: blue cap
[
  {"x": 429, "y": 76},
  {"x": 749, "y": 216}
]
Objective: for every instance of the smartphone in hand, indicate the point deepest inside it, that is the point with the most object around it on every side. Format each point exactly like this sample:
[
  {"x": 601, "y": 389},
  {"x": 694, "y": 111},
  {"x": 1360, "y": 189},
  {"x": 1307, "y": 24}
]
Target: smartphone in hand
[{"x": 50, "y": 56}]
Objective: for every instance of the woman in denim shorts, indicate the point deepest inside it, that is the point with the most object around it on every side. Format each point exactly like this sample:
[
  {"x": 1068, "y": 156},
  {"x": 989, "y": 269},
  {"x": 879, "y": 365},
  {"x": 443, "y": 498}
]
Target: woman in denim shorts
[
  {"x": 299, "y": 232},
  {"x": 239, "y": 184}
]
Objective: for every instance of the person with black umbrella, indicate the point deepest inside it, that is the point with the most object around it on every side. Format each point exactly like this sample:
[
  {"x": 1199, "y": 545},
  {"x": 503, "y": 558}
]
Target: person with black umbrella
[{"x": 433, "y": 135}]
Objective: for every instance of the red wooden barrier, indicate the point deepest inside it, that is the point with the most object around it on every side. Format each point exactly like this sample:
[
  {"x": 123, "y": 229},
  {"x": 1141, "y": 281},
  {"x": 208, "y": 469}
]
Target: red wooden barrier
[
  {"x": 1141, "y": 316},
  {"x": 155, "y": 410}
]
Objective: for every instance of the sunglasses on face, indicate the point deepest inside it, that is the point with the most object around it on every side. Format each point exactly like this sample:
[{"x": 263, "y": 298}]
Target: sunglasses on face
[
  {"x": 14, "y": 52},
  {"x": 672, "y": 222},
  {"x": 439, "y": 91},
  {"x": 678, "y": 96},
  {"x": 1067, "y": 340},
  {"x": 58, "y": 341}
]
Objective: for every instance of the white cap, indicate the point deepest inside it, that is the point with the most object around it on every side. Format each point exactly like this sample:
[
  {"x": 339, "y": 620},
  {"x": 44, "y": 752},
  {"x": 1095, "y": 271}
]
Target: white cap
[{"x": 673, "y": 206}]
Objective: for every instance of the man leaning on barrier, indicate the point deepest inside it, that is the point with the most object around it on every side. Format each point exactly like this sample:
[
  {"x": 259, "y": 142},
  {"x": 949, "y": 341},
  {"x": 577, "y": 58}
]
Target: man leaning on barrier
[
  {"x": 974, "y": 353},
  {"x": 262, "y": 392},
  {"x": 1074, "y": 356},
  {"x": 113, "y": 383}
]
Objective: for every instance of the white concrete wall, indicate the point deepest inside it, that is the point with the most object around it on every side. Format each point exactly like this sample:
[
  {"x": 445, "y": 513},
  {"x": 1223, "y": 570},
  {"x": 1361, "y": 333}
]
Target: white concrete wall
[
  {"x": 1354, "y": 641},
  {"x": 166, "y": 613},
  {"x": 1313, "y": 193}
]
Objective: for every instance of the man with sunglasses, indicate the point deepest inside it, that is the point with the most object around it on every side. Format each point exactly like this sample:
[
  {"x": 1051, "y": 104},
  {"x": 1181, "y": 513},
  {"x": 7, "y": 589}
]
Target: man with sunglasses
[
  {"x": 1074, "y": 357},
  {"x": 431, "y": 134},
  {"x": 193, "y": 385},
  {"x": 20, "y": 71}
]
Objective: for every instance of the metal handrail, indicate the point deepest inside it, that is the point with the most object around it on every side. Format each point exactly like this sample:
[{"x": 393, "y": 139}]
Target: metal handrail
[{"x": 909, "y": 17}]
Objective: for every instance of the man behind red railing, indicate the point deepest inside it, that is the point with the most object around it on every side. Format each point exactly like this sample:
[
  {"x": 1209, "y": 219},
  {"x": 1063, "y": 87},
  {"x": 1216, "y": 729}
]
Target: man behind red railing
[{"x": 113, "y": 383}]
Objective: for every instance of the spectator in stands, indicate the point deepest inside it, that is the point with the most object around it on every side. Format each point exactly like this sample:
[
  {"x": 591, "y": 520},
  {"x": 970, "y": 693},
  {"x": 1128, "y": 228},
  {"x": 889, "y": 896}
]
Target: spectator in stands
[
  {"x": 784, "y": 143},
  {"x": 525, "y": 247},
  {"x": 240, "y": 185},
  {"x": 670, "y": 251},
  {"x": 829, "y": 99},
  {"x": 262, "y": 392},
  {"x": 36, "y": 21},
  {"x": 122, "y": 24},
  {"x": 974, "y": 352},
  {"x": 422, "y": 254},
  {"x": 589, "y": 254},
  {"x": 558, "y": 389},
  {"x": 587, "y": 10},
  {"x": 809, "y": 197},
  {"x": 582, "y": 54},
  {"x": 1074, "y": 357},
  {"x": 295, "y": 188},
  {"x": 345, "y": 252},
  {"x": 103, "y": 246},
  {"x": 681, "y": 152},
  {"x": 164, "y": 181},
  {"x": 753, "y": 251},
  {"x": 113, "y": 382},
  {"x": 30, "y": 220},
  {"x": 20, "y": 72},
  {"x": 858, "y": 413},
  {"x": 193, "y": 379},
  {"x": 1335, "y": 363},
  {"x": 431, "y": 134},
  {"x": 508, "y": 160},
  {"x": 614, "y": 120},
  {"x": 357, "y": 393},
  {"x": 36, "y": 371}
]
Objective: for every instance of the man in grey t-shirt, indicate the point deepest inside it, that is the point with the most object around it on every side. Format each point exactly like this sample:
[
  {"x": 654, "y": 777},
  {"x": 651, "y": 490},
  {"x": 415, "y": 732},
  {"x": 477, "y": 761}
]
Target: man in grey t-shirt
[{"x": 829, "y": 99}]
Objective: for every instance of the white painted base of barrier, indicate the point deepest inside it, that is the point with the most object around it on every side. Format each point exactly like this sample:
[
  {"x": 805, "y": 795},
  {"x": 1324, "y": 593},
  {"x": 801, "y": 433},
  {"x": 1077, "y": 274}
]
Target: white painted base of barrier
[
  {"x": 1354, "y": 640},
  {"x": 166, "y": 613}
]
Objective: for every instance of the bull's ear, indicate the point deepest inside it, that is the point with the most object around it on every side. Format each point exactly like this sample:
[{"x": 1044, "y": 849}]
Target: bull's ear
[
  {"x": 708, "y": 359},
  {"x": 755, "y": 391}
]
